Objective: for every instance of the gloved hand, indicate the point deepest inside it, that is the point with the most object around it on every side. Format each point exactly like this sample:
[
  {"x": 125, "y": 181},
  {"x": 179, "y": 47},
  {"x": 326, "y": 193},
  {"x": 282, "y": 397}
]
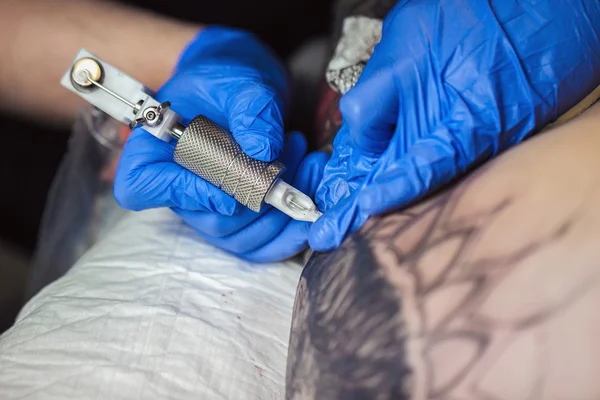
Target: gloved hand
[
  {"x": 451, "y": 84},
  {"x": 233, "y": 79},
  {"x": 269, "y": 235}
]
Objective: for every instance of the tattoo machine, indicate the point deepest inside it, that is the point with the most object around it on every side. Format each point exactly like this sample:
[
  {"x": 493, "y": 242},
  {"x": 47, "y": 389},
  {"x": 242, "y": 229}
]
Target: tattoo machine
[{"x": 203, "y": 147}]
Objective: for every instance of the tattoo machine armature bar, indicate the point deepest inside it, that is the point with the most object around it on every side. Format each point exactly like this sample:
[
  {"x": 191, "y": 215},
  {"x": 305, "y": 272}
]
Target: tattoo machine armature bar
[{"x": 203, "y": 147}]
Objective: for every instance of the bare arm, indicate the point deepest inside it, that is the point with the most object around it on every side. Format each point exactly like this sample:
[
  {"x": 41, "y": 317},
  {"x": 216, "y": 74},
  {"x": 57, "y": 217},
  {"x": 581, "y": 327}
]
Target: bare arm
[{"x": 41, "y": 37}]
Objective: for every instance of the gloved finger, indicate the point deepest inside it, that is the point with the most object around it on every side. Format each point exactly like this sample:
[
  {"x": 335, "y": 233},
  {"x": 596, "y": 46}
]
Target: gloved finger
[
  {"x": 330, "y": 230},
  {"x": 370, "y": 109},
  {"x": 344, "y": 173},
  {"x": 430, "y": 163},
  {"x": 269, "y": 226},
  {"x": 260, "y": 231},
  {"x": 147, "y": 177},
  {"x": 292, "y": 240},
  {"x": 190, "y": 95},
  {"x": 210, "y": 224},
  {"x": 400, "y": 84},
  {"x": 221, "y": 226},
  {"x": 384, "y": 106},
  {"x": 255, "y": 115},
  {"x": 293, "y": 155}
]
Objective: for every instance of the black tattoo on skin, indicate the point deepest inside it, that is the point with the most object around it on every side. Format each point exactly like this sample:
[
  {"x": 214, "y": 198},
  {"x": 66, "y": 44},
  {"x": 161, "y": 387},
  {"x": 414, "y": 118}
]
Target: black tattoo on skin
[
  {"x": 346, "y": 343},
  {"x": 357, "y": 307}
]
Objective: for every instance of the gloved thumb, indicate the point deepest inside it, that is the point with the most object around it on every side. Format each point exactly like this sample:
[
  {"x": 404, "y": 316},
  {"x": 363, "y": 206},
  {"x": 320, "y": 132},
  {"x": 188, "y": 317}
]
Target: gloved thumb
[
  {"x": 370, "y": 109},
  {"x": 429, "y": 164},
  {"x": 255, "y": 119}
]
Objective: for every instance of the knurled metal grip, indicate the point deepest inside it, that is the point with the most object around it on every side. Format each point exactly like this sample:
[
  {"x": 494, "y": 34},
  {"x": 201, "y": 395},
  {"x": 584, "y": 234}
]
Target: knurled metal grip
[{"x": 212, "y": 153}]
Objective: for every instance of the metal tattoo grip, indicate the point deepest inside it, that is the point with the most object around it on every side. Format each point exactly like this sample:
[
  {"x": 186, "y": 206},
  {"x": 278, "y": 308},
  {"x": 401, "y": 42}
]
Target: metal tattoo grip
[{"x": 212, "y": 153}]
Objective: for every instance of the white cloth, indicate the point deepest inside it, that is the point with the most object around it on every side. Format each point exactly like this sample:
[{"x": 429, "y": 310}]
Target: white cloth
[
  {"x": 152, "y": 312},
  {"x": 359, "y": 37}
]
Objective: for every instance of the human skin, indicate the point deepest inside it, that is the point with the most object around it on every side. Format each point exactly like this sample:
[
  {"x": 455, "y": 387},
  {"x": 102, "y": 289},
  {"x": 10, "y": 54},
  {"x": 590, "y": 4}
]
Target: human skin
[
  {"x": 487, "y": 291},
  {"x": 41, "y": 38}
]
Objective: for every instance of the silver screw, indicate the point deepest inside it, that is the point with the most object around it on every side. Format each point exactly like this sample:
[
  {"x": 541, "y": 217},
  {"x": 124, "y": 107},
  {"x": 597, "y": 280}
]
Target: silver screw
[{"x": 152, "y": 116}]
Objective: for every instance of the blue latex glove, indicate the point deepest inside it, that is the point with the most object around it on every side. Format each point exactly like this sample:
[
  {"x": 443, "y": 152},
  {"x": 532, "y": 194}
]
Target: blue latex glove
[
  {"x": 230, "y": 77},
  {"x": 269, "y": 235},
  {"x": 451, "y": 84}
]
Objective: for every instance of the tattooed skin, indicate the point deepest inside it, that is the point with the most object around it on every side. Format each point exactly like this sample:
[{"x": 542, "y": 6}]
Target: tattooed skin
[
  {"x": 346, "y": 345},
  {"x": 488, "y": 291},
  {"x": 454, "y": 300}
]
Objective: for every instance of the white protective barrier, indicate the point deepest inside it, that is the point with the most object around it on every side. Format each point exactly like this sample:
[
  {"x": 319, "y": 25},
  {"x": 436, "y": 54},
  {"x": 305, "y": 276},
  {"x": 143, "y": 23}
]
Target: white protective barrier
[{"x": 152, "y": 312}]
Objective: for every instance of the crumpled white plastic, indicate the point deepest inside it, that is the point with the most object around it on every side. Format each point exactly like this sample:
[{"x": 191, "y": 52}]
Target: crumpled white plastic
[{"x": 152, "y": 312}]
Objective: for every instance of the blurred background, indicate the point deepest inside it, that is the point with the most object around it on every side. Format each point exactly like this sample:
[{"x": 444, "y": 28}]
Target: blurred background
[{"x": 33, "y": 151}]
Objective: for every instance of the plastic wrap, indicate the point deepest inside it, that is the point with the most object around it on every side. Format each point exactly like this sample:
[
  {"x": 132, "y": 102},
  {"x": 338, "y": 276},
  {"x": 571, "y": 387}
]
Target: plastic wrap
[
  {"x": 80, "y": 204},
  {"x": 153, "y": 312}
]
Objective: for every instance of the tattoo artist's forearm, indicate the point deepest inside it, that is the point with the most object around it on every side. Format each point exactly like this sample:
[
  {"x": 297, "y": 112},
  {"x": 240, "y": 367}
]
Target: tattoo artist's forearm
[{"x": 43, "y": 36}]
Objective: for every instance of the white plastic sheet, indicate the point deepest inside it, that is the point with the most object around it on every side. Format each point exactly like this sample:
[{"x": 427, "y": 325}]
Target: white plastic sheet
[{"x": 152, "y": 312}]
